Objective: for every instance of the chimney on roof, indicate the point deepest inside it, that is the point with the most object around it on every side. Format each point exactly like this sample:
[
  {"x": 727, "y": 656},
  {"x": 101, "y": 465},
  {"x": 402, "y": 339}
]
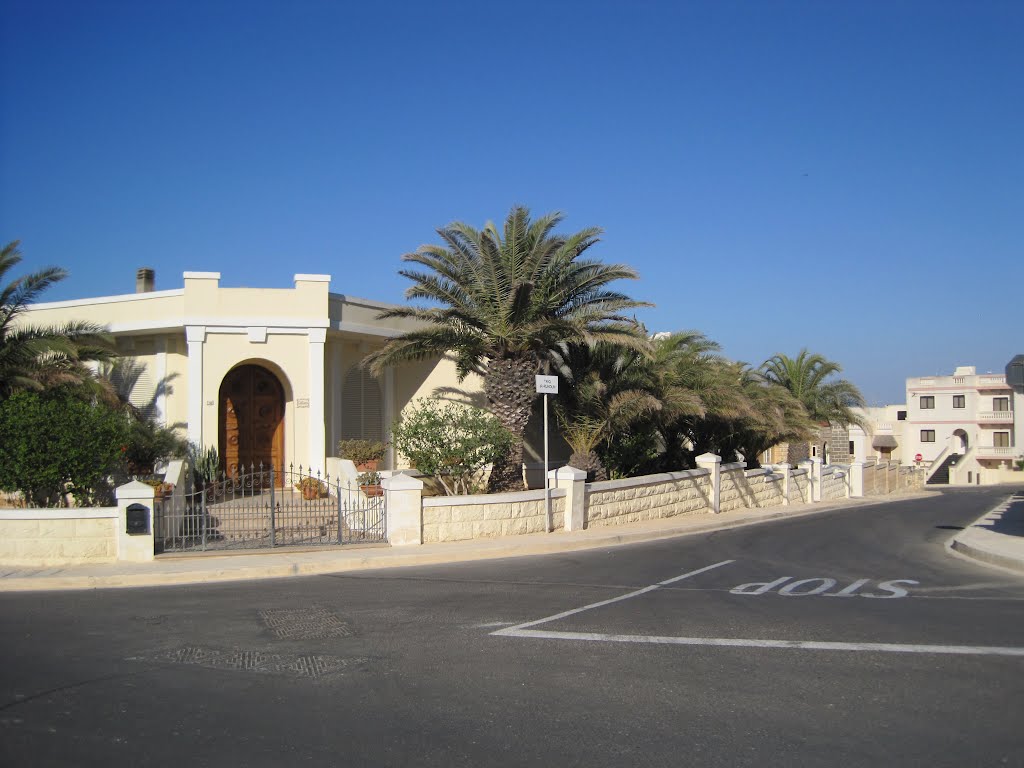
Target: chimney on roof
[{"x": 145, "y": 279}]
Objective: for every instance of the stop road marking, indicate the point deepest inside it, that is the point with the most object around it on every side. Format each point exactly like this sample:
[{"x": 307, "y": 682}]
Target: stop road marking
[{"x": 821, "y": 586}]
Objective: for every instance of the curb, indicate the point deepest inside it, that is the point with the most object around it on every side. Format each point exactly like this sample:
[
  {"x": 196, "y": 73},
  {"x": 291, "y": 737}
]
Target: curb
[
  {"x": 986, "y": 556},
  {"x": 983, "y": 546}
]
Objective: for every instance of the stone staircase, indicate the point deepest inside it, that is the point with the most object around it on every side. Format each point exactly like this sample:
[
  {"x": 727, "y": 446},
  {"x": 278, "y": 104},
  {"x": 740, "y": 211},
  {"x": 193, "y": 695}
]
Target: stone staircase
[{"x": 941, "y": 475}]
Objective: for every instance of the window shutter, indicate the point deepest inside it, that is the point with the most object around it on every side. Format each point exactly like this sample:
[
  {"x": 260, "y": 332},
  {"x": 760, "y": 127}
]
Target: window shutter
[{"x": 362, "y": 411}]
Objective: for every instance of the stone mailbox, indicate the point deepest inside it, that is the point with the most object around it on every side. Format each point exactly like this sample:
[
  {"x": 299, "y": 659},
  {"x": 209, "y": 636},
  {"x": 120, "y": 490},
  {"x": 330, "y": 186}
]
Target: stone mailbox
[{"x": 137, "y": 520}]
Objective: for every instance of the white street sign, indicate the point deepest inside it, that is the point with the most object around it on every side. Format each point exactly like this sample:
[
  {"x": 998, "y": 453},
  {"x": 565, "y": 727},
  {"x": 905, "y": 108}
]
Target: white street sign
[{"x": 547, "y": 385}]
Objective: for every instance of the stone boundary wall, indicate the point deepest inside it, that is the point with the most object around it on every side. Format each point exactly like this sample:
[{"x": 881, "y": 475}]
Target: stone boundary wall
[
  {"x": 456, "y": 518},
  {"x": 755, "y": 488},
  {"x": 651, "y": 497},
  {"x": 833, "y": 483},
  {"x": 46, "y": 537},
  {"x": 882, "y": 478},
  {"x": 799, "y": 485}
]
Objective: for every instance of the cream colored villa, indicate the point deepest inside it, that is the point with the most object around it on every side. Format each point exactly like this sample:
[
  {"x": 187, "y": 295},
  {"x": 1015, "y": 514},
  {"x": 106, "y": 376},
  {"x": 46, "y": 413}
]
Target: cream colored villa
[{"x": 267, "y": 375}]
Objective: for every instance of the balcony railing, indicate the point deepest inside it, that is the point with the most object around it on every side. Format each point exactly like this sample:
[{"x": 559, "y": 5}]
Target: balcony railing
[
  {"x": 997, "y": 380},
  {"x": 996, "y": 452},
  {"x": 995, "y": 417}
]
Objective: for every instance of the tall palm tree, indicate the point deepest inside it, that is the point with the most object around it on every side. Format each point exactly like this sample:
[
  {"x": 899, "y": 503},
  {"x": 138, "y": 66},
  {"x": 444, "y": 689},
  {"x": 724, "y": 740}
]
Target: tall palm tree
[
  {"x": 33, "y": 357},
  {"x": 807, "y": 377},
  {"x": 507, "y": 298}
]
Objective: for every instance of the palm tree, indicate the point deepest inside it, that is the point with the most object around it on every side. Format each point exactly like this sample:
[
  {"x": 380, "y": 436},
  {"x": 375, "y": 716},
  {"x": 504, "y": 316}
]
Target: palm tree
[
  {"x": 507, "y": 298},
  {"x": 805, "y": 376},
  {"x": 37, "y": 358},
  {"x": 608, "y": 389},
  {"x": 764, "y": 415}
]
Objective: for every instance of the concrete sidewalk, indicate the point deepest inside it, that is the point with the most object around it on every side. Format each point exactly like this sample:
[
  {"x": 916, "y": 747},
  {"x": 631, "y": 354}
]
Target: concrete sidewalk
[
  {"x": 996, "y": 538},
  {"x": 167, "y": 570}
]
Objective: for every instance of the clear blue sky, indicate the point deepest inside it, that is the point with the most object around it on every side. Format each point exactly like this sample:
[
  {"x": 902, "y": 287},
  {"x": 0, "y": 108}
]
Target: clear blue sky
[{"x": 842, "y": 176}]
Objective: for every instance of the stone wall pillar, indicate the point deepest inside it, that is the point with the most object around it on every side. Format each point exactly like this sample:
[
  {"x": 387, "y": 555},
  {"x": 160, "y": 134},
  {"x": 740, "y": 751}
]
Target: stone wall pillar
[
  {"x": 713, "y": 463},
  {"x": 575, "y": 483},
  {"x": 787, "y": 476},
  {"x": 816, "y": 478},
  {"x": 856, "y": 480},
  {"x": 134, "y": 547},
  {"x": 405, "y": 509}
]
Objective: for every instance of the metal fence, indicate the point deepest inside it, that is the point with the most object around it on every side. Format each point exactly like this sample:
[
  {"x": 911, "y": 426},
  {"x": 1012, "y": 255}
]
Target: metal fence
[{"x": 267, "y": 507}]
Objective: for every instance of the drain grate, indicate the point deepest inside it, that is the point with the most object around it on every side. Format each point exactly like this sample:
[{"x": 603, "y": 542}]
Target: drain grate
[
  {"x": 296, "y": 665},
  {"x": 311, "y": 623}
]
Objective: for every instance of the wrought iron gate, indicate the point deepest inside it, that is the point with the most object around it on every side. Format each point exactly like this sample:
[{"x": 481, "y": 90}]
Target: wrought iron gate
[{"x": 265, "y": 507}]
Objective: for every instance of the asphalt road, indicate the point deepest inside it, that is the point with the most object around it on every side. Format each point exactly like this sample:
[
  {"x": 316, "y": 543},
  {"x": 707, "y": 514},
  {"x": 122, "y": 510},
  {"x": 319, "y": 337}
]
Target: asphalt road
[{"x": 846, "y": 638}]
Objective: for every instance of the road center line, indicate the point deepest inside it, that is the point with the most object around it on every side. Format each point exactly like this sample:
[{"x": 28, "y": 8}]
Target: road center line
[
  {"x": 739, "y": 642},
  {"x": 645, "y": 590}
]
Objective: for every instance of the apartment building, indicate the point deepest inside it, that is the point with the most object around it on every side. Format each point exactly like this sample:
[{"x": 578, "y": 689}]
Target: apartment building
[{"x": 968, "y": 415}]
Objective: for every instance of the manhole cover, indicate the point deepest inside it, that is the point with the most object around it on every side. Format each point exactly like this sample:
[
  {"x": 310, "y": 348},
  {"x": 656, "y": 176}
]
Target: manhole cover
[
  {"x": 297, "y": 665},
  {"x": 309, "y": 623}
]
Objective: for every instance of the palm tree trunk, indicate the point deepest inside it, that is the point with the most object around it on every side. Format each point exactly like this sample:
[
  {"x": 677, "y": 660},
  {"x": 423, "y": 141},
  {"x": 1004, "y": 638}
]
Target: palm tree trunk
[{"x": 510, "y": 389}]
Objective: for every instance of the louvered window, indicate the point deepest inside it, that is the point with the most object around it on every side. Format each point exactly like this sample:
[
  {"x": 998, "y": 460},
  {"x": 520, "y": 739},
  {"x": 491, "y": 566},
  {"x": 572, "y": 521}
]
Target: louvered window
[
  {"x": 134, "y": 382},
  {"x": 362, "y": 412}
]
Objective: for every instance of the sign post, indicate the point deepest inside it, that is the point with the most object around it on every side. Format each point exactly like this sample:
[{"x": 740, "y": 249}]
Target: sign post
[{"x": 547, "y": 385}]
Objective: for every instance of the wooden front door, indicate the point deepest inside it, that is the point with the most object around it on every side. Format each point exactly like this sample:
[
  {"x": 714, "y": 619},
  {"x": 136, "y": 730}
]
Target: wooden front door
[{"x": 251, "y": 420}]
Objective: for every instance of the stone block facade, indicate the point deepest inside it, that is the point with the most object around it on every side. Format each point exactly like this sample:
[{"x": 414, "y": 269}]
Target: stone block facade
[
  {"x": 478, "y": 517},
  {"x": 42, "y": 537},
  {"x": 833, "y": 484},
  {"x": 756, "y": 488},
  {"x": 616, "y": 502}
]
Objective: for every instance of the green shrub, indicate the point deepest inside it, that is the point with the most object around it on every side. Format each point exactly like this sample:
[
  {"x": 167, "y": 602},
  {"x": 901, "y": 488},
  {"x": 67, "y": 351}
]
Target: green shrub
[
  {"x": 452, "y": 443},
  {"x": 360, "y": 451},
  {"x": 149, "y": 442},
  {"x": 54, "y": 442}
]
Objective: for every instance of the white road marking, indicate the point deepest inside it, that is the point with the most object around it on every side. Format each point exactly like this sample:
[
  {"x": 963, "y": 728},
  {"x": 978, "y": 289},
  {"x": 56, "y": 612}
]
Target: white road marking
[
  {"x": 524, "y": 631},
  {"x": 739, "y": 642},
  {"x": 636, "y": 593}
]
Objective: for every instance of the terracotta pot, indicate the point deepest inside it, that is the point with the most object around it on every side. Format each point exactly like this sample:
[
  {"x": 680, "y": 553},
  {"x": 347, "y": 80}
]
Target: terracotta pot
[
  {"x": 372, "y": 490},
  {"x": 368, "y": 466},
  {"x": 310, "y": 494}
]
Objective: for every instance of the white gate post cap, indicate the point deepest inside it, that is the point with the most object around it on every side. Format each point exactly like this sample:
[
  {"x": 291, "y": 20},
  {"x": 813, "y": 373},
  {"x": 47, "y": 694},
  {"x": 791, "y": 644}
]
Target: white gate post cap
[
  {"x": 135, "y": 490},
  {"x": 402, "y": 482},
  {"x": 709, "y": 458},
  {"x": 570, "y": 473}
]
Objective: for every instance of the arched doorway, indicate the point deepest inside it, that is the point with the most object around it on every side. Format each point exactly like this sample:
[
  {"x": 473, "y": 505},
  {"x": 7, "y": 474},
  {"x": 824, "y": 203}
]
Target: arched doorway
[
  {"x": 959, "y": 441},
  {"x": 251, "y": 420}
]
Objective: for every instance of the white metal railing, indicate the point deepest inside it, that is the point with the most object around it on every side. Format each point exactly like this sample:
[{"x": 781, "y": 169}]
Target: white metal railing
[
  {"x": 883, "y": 427},
  {"x": 992, "y": 379},
  {"x": 993, "y": 451},
  {"x": 1000, "y": 417}
]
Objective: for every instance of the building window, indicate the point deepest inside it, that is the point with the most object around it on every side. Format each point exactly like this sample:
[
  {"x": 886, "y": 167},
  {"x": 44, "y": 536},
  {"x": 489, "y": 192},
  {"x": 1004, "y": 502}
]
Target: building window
[
  {"x": 901, "y": 415},
  {"x": 851, "y": 447},
  {"x": 927, "y": 402},
  {"x": 927, "y": 435},
  {"x": 1001, "y": 439},
  {"x": 959, "y": 401},
  {"x": 362, "y": 409},
  {"x": 1000, "y": 403}
]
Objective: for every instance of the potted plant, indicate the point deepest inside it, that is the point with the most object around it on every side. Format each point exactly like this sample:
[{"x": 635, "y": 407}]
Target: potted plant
[
  {"x": 311, "y": 488},
  {"x": 369, "y": 483},
  {"x": 161, "y": 489},
  {"x": 365, "y": 454}
]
